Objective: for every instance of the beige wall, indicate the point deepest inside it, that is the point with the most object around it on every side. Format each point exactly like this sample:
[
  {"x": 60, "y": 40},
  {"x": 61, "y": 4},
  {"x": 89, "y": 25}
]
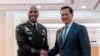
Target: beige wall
[
  {"x": 6, "y": 34},
  {"x": 9, "y": 34},
  {"x": 2, "y": 33}
]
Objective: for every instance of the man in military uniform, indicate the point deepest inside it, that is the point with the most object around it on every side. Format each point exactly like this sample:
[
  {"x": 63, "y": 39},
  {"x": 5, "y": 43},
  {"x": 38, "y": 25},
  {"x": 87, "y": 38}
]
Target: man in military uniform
[{"x": 31, "y": 36}]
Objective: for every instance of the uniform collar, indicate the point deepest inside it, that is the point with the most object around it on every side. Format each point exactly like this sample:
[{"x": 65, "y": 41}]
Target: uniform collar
[{"x": 33, "y": 23}]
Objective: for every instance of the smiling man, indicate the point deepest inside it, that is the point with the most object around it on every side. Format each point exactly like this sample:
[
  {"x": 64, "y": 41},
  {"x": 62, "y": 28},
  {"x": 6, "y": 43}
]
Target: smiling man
[
  {"x": 72, "y": 39},
  {"x": 31, "y": 36}
]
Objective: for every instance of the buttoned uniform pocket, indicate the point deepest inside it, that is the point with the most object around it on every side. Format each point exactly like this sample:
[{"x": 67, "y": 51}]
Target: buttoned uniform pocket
[{"x": 29, "y": 36}]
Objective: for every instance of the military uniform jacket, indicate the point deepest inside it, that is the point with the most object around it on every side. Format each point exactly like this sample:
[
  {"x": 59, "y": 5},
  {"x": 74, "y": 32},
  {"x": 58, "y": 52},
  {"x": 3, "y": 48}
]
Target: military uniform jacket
[{"x": 29, "y": 39}]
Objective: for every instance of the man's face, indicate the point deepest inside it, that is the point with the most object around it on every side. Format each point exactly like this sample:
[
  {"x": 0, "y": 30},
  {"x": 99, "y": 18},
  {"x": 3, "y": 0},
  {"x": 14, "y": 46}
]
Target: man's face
[
  {"x": 33, "y": 14},
  {"x": 66, "y": 16}
]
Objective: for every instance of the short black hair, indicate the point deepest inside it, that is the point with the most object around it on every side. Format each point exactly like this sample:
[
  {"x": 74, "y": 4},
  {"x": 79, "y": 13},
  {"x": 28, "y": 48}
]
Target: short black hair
[{"x": 67, "y": 7}]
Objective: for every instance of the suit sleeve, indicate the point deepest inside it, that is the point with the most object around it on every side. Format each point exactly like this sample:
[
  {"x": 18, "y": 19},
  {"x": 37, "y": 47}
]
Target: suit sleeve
[
  {"x": 46, "y": 46},
  {"x": 55, "y": 50},
  {"x": 22, "y": 45},
  {"x": 84, "y": 41}
]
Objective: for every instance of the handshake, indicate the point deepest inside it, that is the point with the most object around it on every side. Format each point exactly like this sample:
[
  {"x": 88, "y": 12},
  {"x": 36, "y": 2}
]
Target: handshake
[{"x": 43, "y": 53}]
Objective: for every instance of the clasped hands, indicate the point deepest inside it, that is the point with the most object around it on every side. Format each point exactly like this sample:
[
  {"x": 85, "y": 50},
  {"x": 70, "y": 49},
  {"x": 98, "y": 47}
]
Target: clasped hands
[{"x": 43, "y": 53}]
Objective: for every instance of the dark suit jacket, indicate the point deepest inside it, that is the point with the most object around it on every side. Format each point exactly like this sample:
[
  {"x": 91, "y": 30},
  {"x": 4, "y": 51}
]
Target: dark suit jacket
[
  {"x": 76, "y": 43},
  {"x": 28, "y": 39}
]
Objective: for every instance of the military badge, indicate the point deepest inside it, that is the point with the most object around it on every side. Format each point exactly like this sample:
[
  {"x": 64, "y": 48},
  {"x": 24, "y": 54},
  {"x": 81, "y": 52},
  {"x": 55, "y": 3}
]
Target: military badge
[
  {"x": 27, "y": 29},
  {"x": 17, "y": 29},
  {"x": 43, "y": 32},
  {"x": 30, "y": 38}
]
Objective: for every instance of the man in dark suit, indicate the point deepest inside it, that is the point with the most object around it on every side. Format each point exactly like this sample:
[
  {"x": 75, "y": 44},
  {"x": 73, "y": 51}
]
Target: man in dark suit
[
  {"x": 72, "y": 39},
  {"x": 31, "y": 36}
]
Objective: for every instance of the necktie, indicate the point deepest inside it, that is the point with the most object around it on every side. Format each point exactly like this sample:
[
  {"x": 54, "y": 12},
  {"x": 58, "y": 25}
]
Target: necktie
[
  {"x": 35, "y": 30},
  {"x": 64, "y": 34},
  {"x": 34, "y": 26}
]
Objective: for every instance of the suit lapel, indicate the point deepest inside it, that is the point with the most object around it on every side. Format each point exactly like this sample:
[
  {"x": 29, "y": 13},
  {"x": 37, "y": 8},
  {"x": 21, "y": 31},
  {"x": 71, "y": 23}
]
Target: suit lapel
[
  {"x": 60, "y": 38},
  {"x": 73, "y": 27}
]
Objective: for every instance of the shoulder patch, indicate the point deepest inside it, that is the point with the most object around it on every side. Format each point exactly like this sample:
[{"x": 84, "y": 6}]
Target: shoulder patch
[{"x": 17, "y": 29}]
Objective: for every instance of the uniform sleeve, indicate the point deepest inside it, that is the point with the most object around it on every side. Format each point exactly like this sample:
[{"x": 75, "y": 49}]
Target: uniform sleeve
[
  {"x": 84, "y": 41},
  {"x": 22, "y": 45},
  {"x": 46, "y": 46}
]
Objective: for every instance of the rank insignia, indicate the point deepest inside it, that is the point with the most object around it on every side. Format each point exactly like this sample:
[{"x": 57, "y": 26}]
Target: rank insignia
[{"x": 43, "y": 32}]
